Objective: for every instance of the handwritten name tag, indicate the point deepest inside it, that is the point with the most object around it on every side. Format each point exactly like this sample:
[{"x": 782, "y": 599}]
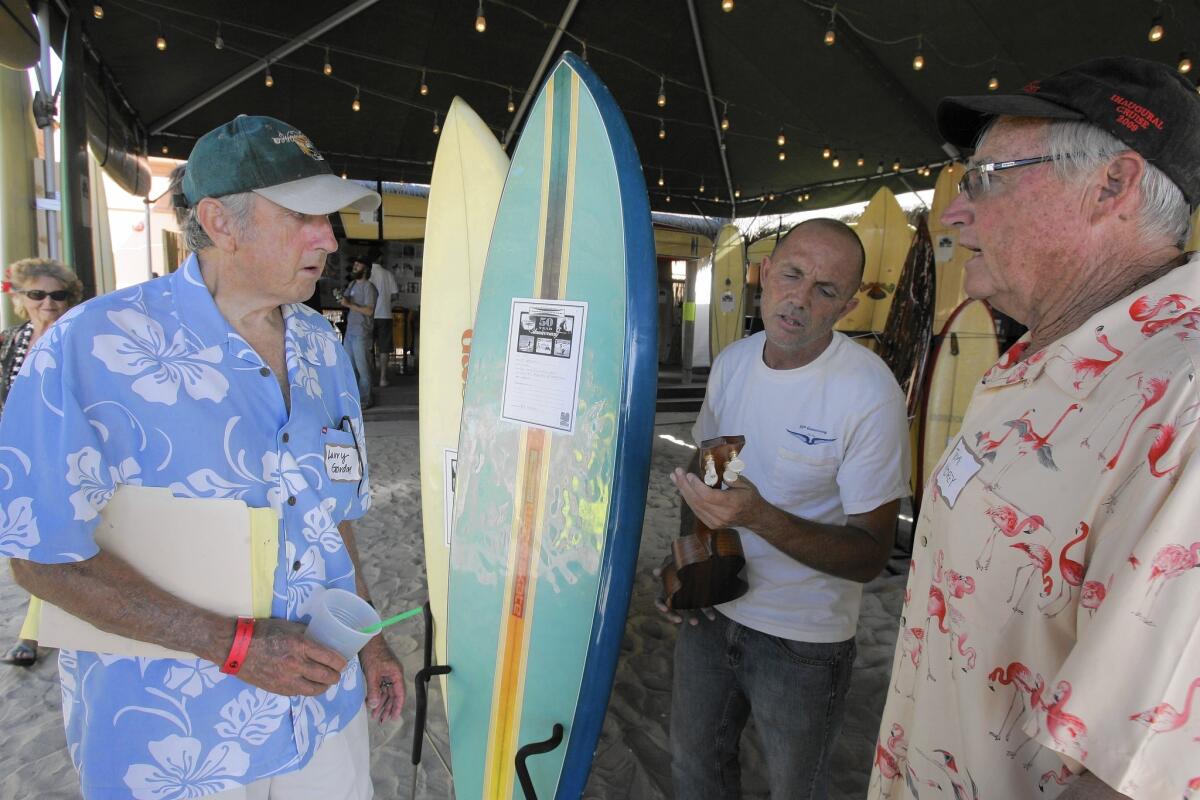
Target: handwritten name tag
[
  {"x": 956, "y": 472},
  {"x": 341, "y": 463}
]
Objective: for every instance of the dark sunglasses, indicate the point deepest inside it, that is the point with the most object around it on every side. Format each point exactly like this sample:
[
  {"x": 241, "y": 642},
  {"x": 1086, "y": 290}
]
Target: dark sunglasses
[{"x": 58, "y": 295}]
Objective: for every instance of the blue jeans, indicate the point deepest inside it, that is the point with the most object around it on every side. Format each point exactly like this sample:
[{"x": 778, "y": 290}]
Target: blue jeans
[
  {"x": 724, "y": 672},
  {"x": 358, "y": 347}
]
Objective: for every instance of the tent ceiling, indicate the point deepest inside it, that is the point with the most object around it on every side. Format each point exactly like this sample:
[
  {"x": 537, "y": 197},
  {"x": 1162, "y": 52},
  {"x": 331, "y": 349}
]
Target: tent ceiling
[{"x": 765, "y": 58}]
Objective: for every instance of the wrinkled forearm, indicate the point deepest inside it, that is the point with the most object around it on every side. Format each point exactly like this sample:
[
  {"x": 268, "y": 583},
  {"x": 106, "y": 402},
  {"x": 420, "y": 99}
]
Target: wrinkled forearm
[
  {"x": 844, "y": 551},
  {"x": 111, "y": 595}
]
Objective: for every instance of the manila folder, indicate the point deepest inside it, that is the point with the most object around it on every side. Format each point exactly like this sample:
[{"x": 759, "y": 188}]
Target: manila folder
[{"x": 218, "y": 554}]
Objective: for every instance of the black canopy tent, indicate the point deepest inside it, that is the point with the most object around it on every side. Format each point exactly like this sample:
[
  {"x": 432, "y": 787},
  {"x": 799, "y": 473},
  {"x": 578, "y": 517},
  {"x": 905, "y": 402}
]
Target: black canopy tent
[{"x": 767, "y": 65}]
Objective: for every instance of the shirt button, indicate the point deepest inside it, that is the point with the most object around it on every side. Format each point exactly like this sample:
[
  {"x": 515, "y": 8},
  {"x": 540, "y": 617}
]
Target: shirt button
[
  {"x": 295, "y": 566},
  {"x": 292, "y": 500},
  {"x": 264, "y": 372},
  {"x": 285, "y": 438}
]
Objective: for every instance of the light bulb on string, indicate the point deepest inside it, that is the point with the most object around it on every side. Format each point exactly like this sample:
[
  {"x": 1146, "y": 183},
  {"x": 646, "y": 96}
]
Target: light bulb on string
[
  {"x": 160, "y": 42},
  {"x": 737, "y": 192},
  {"x": 727, "y": 6},
  {"x": 424, "y": 90},
  {"x": 830, "y": 34},
  {"x": 661, "y": 180},
  {"x": 918, "y": 62},
  {"x": 512, "y": 107},
  {"x": 993, "y": 83},
  {"x": 268, "y": 81},
  {"x": 668, "y": 198},
  {"x": 896, "y": 165},
  {"x": 480, "y": 19},
  {"x": 861, "y": 160},
  {"x": 702, "y": 185},
  {"x": 1185, "y": 64},
  {"x": 343, "y": 173},
  {"x": 807, "y": 196},
  {"x": 219, "y": 41},
  {"x": 327, "y": 67},
  {"x": 725, "y": 116},
  {"x": 662, "y": 131},
  {"x": 781, "y": 140},
  {"x": 356, "y": 105},
  {"x": 771, "y": 197},
  {"x": 165, "y": 149},
  {"x": 782, "y": 155},
  {"x": 98, "y": 10},
  {"x": 662, "y": 91},
  {"x": 826, "y": 153},
  {"x": 436, "y": 127},
  {"x": 837, "y": 162},
  {"x": 1157, "y": 31},
  {"x": 800, "y": 198},
  {"x": 879, "y": 168}
]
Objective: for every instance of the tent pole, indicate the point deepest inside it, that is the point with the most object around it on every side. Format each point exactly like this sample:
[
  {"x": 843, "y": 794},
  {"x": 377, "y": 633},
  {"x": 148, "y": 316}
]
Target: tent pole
[
  {"x": 256, "y": 68},
  {"x": 50, "y": 203},
  {"x": 712, "y": 106},
  {"x": 537, "y": 75}
]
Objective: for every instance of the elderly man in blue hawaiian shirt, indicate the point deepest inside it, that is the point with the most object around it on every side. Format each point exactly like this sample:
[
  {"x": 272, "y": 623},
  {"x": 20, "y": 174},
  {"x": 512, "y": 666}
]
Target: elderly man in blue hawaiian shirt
[{"x": 214, "y": 381}]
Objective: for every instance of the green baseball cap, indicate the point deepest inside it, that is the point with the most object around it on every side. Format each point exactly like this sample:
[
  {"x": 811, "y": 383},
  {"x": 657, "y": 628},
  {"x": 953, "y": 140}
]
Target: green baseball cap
[{"x": 270, "y": 158}]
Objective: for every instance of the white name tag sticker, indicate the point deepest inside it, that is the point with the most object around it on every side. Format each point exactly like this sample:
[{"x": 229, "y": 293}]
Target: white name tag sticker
[
  {"x": 342, "y": 463},
  {"x": 956, "y": 472}
]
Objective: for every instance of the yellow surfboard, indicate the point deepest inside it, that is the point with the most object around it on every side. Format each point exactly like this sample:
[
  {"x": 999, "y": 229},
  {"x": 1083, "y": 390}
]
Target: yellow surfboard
[
  {"x": 727, "y": 308},
  {"x": 948, "y": 257},
  {"x": 468, "y": 175},
  {"x": 967, "y": 350},
  {"x": 1194, "y": 239},
  {"x": 886, "y": 236}
]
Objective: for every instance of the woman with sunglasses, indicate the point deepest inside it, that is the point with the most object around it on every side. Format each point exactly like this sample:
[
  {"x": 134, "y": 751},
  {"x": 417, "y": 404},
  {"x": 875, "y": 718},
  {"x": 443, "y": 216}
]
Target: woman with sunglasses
[{"x": 42, "y": 290}]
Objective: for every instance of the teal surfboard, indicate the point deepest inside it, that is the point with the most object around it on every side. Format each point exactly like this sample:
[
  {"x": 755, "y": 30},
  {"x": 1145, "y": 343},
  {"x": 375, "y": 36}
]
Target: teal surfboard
[{"x": 554, "y": 449}]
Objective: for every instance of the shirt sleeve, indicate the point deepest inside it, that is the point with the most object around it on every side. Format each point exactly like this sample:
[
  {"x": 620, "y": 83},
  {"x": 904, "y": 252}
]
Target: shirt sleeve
[
  {"x": 877, "y": 463},
  {"x": 706, "y": 425},
  {"x": 1120, "y": 702},
  {"x": 55, "y": 471}
]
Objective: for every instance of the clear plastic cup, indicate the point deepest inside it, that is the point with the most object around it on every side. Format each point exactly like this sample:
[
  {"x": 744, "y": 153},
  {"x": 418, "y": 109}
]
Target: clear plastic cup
[{"x": 337, "y": 619}]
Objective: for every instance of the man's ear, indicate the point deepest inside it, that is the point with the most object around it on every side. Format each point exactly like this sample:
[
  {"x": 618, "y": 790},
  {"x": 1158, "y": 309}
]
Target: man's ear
[
  {"x": 1118, "y": 190},
  {"x": 763, "y": 269},
  {"x": 218, "y": 223}
]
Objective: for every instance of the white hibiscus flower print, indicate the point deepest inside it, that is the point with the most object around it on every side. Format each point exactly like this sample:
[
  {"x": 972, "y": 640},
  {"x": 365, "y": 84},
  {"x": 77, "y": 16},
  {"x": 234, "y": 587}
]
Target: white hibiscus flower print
[
  {"x": 184, "y": 770},
  {"x": 85, "y": 469},
  {"x": 313, "y": 343},
  {"x": 18, "y": 528},
  {"x": 162, "y": 366},
  {"x": 302, "y": 582},
  {"x": 319, "y": 527},
  {"x": 252, "y": 716},
  {"x": 193, "y": 677},
  {"x": 282, "y": 472}
]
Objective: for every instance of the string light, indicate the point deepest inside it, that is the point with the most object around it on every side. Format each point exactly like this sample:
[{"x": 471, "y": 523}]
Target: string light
[
  {"x": 1185, "y": 64},
  {"x": 668, "y": 198},
  {"x": 356, "y": 105},
  {"x": 662, "y": 91},
  {"x": 424, "y": 86},
  {"x": 879, "y": 168},
  {"x": 737, "y": 192},
  {"x": 781, "y": 140},
  {"x": 771, "y": 197},
  {"x": 826, "y": 153},
  {"x": 343, "y": 173},
  {"x": 830, "y": 33},
  {"x": 160, "y": 42},
  {"x": 782, "y": 155},
  {"x": 165, "y": 149},
  {"x": 702, "y": 185},
  {"x": 807, "y": 196},
  {"x": 993, "y": 83},
  {"x": 268, "y": 81},
  {"x": 219, "y": 42},
  {"x": 512, "y": 107},
  {"x": 661, "y": 180},
  {"x": 1156, "y": 29},
  {"x": 662, "y": 131},
  {"x": 799, "y": 198},
  {"x": 480, "y": 19},
  {"x": 98, "y": 10},
  {"x": 918, "y": 63},
  {"x": 896, "y": 165},
  {"x": 837, "y": 162},
  {"x": 860, "y": 160},
  {"x": 725, "y": 116},
  {"x": 328, "y": 67},
  {"x": 436, "y": 128},
  {"x": 727, "y": 6}
]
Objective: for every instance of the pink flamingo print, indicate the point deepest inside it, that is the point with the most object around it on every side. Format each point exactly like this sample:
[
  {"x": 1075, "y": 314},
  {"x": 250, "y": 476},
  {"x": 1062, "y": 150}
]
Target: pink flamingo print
[
  {"x": 960, "y": 585},
  {"x": 1164, "y": 718},
  {"x": 1093, "y": 595},
  {"x": 1086, "y": 367},
  {"x": 1159, "y": 447},
  {"x": 960, "y": 639},
  {"x": 1061, "y": 777},
  {"x": 1040, "y": 560},
  {"x": 1067, "y": 730},
  {"x": 912, "y": 646},
  {"x": 988, "y": 446},
  {"x": 1193, "y": 789},
  {"x": 889, "y": 758},
  {"x": 1144, "y": 308},
  {"x": 1188, "y": 319},
  {"x": 936, "y": 607},
  {"x": 1004, "y": 520},
  {"x": 1152, "y": 390},
  {"x": 1022, "y": 680},
  {"x": 1170, "y": 562},
  {"x": 914, "y": 781},
  {"x": 1071, "y": 572},
  {"x": 1040, "y": 444},
  {"x": 949, "y": 766}
]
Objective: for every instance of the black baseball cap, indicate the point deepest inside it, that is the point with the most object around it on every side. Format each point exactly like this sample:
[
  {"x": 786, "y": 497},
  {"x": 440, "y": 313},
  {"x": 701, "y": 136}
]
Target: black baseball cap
[
  {"x": 271, "y": 158},
  {"x": 1147, "y": 105}
]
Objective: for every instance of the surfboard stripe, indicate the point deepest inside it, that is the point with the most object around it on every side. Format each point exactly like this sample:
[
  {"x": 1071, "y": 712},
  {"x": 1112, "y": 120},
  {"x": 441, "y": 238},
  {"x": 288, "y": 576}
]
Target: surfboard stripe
[{"x": 557, "y": 204}]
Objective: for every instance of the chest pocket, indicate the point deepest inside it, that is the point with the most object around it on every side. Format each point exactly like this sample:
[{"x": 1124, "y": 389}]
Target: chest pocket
[{"x": 805, "y": 476}]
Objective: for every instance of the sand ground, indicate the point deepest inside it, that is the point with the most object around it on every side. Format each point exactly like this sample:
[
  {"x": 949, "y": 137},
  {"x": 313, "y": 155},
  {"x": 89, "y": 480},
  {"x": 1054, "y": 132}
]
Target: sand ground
[{"x": 633, "y": 756}]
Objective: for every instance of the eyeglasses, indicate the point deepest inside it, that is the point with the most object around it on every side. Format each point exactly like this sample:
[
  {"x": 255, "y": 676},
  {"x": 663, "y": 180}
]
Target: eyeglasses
[
  {"x": 58, "y": 295},
  {"x": 975, "y": 181}
]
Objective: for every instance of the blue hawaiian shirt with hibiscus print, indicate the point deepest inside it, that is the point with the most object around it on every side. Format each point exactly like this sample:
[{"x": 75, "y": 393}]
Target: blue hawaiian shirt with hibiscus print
[{"x": 150, "y": 385}]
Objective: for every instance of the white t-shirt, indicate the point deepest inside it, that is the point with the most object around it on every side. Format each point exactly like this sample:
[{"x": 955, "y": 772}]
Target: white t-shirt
[
  {"x": 823, "y": 441},
  {"x": 384, "y": 283}
]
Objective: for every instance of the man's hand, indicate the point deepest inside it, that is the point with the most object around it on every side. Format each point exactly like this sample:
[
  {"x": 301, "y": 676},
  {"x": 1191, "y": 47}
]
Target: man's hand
[
  {"x": 385, "y": 680},
  {"x": 733, "y": 507},
  {"x": 677, "y": 617},
  {"x": 282, "y": 661}
]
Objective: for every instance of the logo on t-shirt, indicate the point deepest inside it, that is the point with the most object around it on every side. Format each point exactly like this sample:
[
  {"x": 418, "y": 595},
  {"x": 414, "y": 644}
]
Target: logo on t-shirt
[{"x": 810, "y": 435}]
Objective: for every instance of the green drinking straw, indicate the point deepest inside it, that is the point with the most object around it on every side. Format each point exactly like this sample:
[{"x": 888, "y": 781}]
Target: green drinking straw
[{"x": 378, "y": 626}]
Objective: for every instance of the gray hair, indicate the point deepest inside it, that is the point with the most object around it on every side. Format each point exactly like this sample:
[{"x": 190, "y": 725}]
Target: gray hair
[
  {"x": 239, "y": 206},
  {"x": 1081, "y": 148}
]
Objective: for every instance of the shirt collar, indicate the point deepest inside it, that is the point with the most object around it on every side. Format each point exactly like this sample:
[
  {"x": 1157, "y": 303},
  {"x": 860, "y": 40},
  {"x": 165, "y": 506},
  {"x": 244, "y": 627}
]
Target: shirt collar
[{"x": 1080, "y": 360}]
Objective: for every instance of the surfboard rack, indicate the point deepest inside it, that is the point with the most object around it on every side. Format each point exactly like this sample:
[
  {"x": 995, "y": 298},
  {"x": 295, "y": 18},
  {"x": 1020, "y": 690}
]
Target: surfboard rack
[
  {"x": 535, "y": 749},
  {"x": 421, "y": 685}
]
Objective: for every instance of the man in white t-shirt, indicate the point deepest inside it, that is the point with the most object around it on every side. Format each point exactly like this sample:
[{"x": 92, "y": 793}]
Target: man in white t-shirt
[
  {"x": 827, "y": 462},
  {"x": 385, "y": 284}
]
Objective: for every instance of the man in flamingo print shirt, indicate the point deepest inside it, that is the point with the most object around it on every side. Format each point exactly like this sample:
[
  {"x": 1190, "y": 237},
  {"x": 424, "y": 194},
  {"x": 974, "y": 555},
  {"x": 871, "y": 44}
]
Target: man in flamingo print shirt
[{"x": 1048, "y": 641}]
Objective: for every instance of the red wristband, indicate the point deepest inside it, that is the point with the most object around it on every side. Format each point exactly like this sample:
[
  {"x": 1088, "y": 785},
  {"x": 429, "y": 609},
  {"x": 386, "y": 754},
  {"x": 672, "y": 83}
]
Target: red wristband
[{"x": 241, "y": 643}]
